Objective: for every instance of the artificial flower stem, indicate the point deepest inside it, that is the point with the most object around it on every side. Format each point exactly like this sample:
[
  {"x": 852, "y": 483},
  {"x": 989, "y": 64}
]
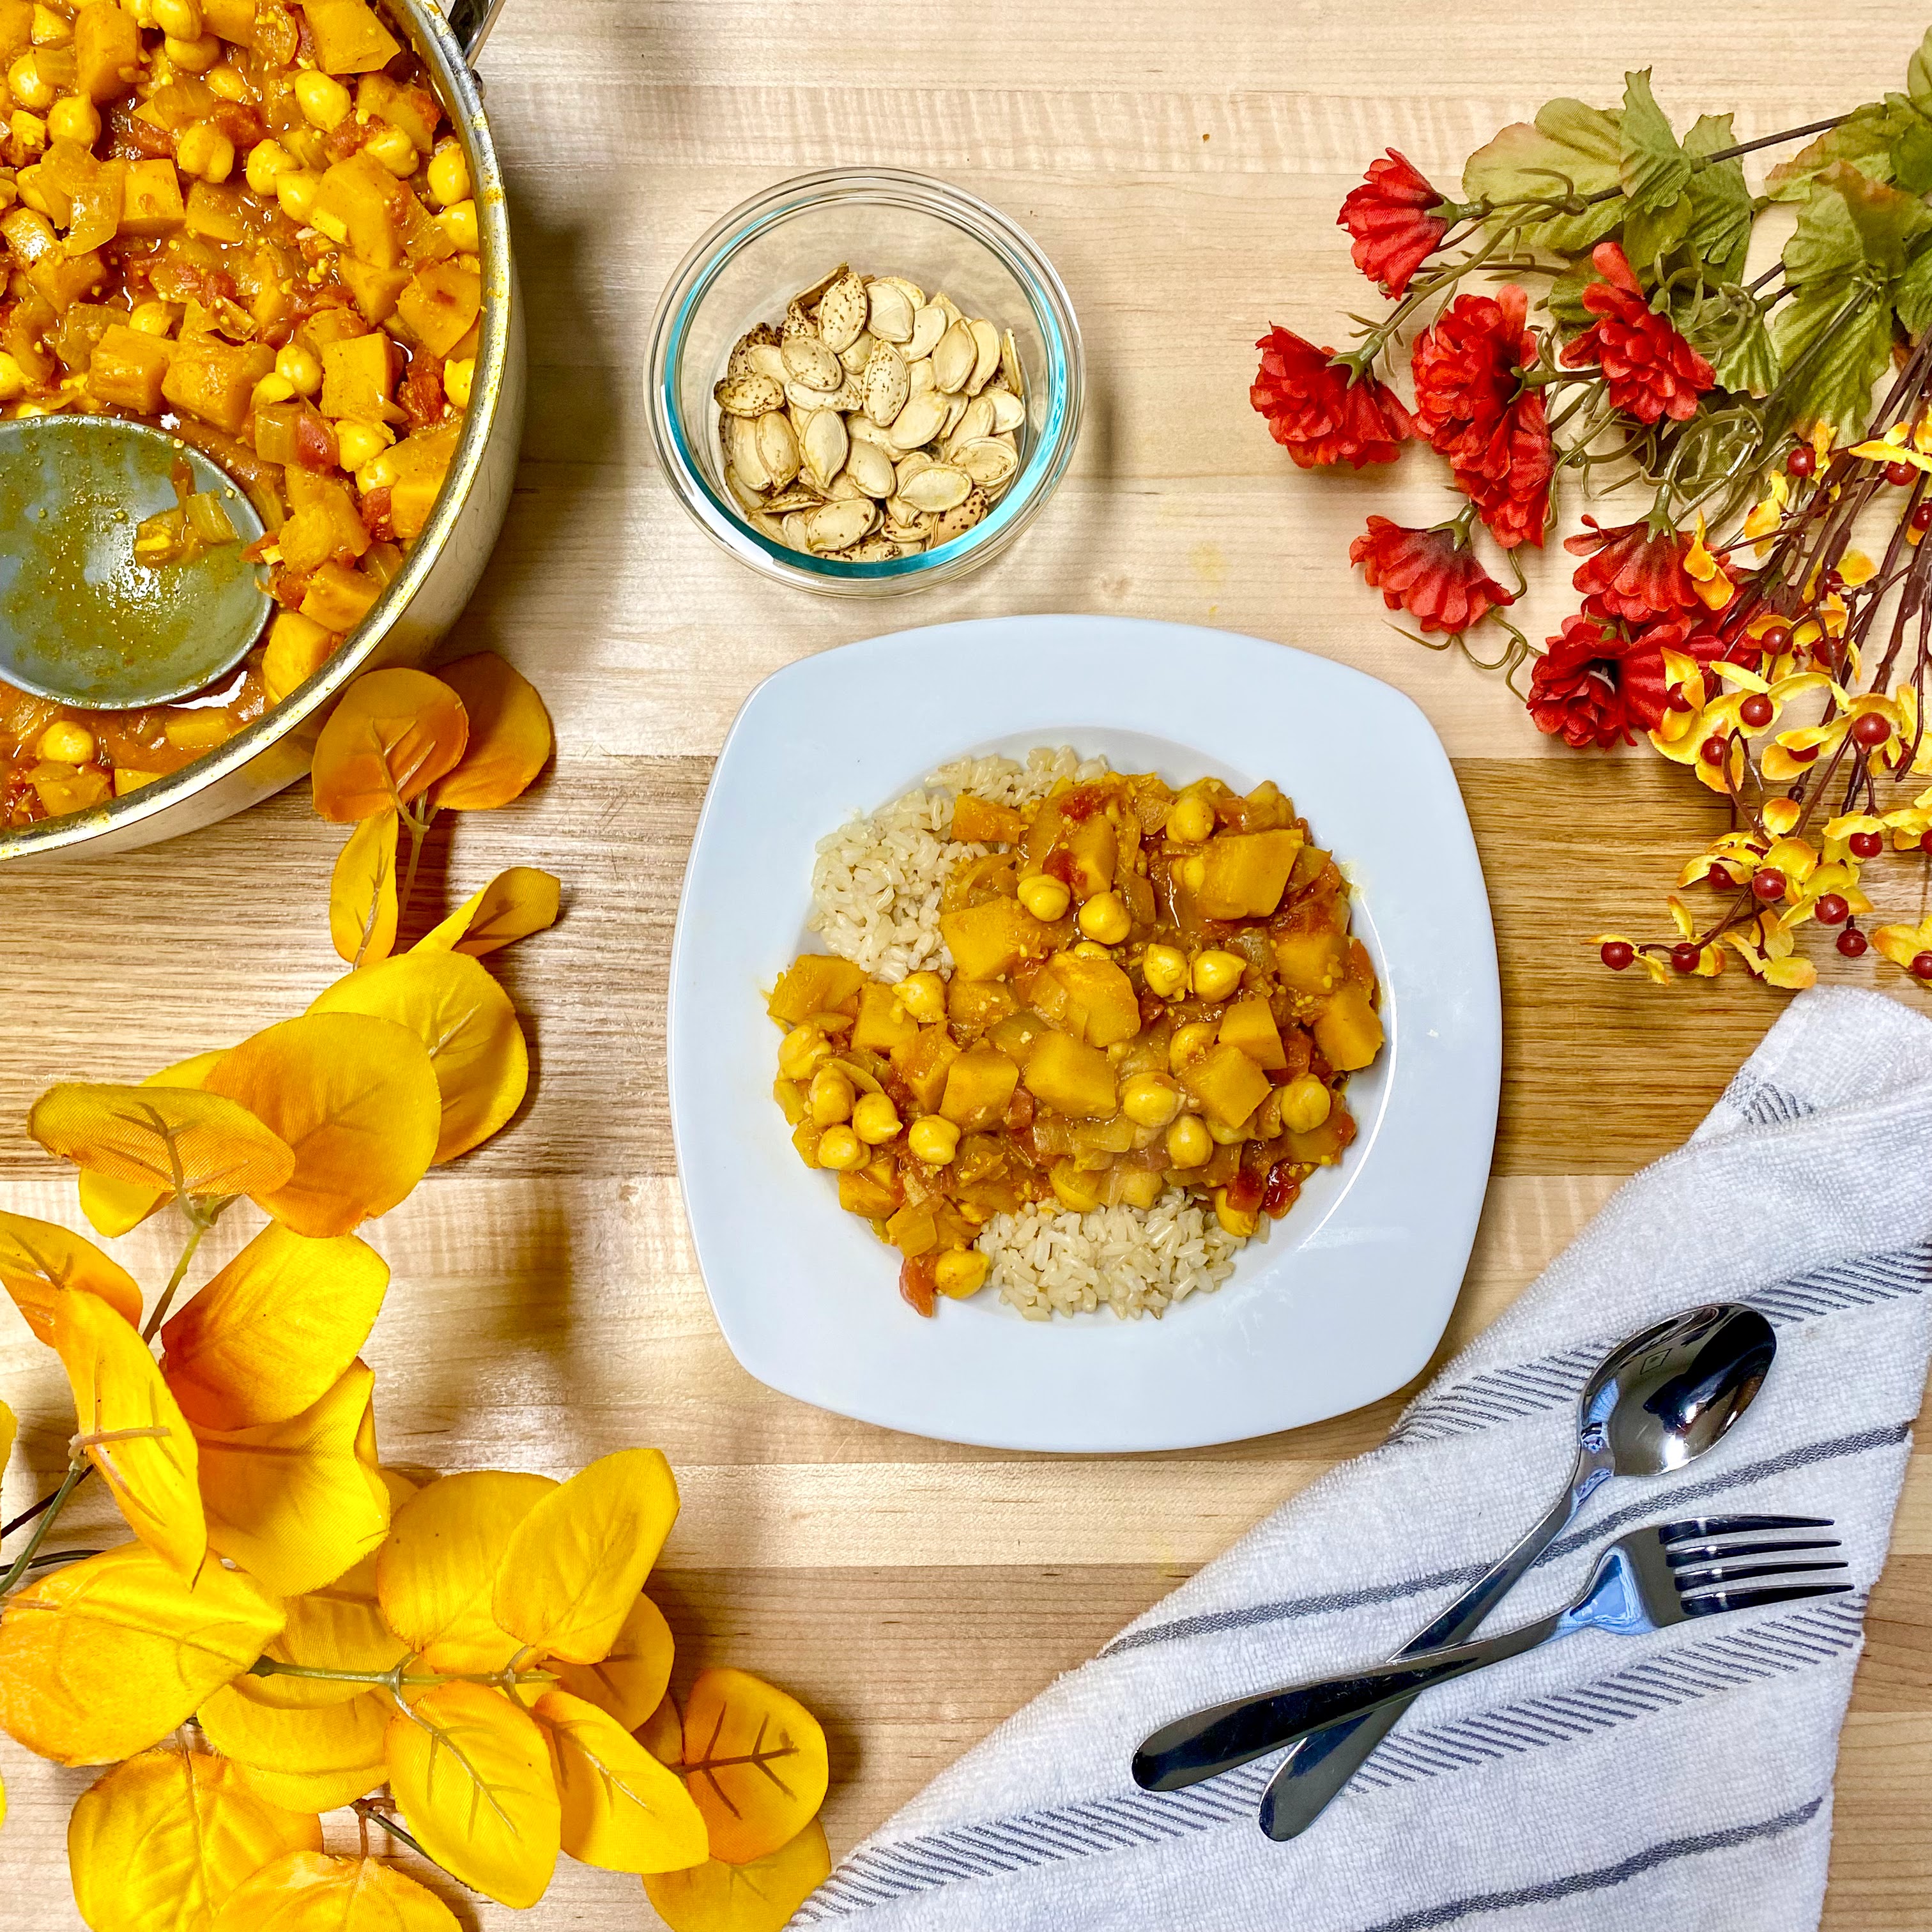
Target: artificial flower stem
[
  {"x": 199, "y": 1225},
  {"x": 56, "y": 1503}
]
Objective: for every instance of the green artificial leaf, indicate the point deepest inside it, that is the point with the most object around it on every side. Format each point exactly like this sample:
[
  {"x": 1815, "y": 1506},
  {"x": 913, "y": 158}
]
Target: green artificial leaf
[
  {"x": 1864, "y": 138},
  {"x": 1826, "y": 245},
  {"x": 1919, "y": 71},
  {"x": 1652, "y": 163},
  {"x": 1648, "y": 236},
  {"x": 1570, "y": 148},
  {"x": 1564, "y": 300},
  {"x": 1722, "y": 210},
  {"x": 1913, "y": 294},
  {"x": 1909, "y": 130},
  {"x": 1750, "y": 366},
  {"x": 1835, "y": 344},
  {"x": 1886, "y": 221}
]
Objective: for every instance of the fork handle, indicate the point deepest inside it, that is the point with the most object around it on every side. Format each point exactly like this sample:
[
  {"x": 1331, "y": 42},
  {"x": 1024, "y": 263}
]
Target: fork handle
[{"x": 1209, "y": 1742}]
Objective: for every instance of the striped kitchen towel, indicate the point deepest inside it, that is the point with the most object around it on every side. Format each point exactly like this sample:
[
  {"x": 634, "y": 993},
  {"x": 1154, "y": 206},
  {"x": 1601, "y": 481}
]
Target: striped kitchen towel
[{"x": 1683, "y": 1779}]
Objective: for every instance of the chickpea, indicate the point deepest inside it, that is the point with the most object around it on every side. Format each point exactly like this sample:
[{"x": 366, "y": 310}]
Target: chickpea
[
  {"x": 458, "y": 221},
  {"x": 178, "y": 19},
  {"x": 1165, "y": 969},
  {"x": 153, "y": 318},
  {"x": 831, "y": 1098},
  {"x": 1223, "y": 1135},
  {"x": 1072, "y": 1189},
  {"x": 802, "y": 1051},
  {"x": 379, "y": 472},
  {"x": 358, "y": 442},
  {"x": 961, "y": 1272},
  {"x": 268, "y": 162},
  {"x": 1190, "y": 820},
  {"x": 1045, "y": 897},
  {"x": 67, "y": 743},
  {"x": 1190, "y": 1042},
  {"x": 1305, "y": 1105},
  {"x": 1150, "y": 1100},
  {"x": 1088, "y": 949},
  {"x": 875, "y": 1120},
  {"x": 1216, "y": 974},
  {"x": 271, "y": 389},
  {"x": 295, "y": 191},
  {"x": 922, "y": 995},
  {"x": 1193, "y": 873},
  {"x": 393, "y": 150},
  {"x": 448, "y": 174},
  {"x": 839, "y": 1149},
  {"x": 1187, "y": 1142},
  {"x": 74, "y": 118},
  {"x": 1103, "y": 917},
  {"x": 1237, "y": 1221},
  {"x": 299, "y": 368},
  {"x": 25, "y": 84},
  {"x": 195, "y": 56},
  {"x": 934, "y": 1140},
  {"x": 323, "y": 100}
]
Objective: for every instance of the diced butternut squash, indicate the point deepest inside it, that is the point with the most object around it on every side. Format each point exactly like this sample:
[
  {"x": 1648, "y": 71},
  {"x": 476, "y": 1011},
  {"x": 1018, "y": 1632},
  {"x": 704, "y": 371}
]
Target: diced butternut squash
[
  {"x": 976, "y": 821},
  {"x": 214, "y": 209},
  {"x": 441, "y": 304},
  {"x": 328, "y": 497},
  {"x": 924, "y": 1063},
  {"x": 978, "y": 1006},
  {"x": 357, "y": 377},
  {"x": 376, "y": 290},
  {"x": 1095, "y": 847},
  {"x": 349, "y": 38},
  {"x": 814, "y": 983},
  {"x": 883, "y": 1022},
  {"x": 861, "y": 1191},
  {"x": 1248, "y": 1025},
  {"x": 1347, "y": 1030},
  {"x": 16, "y": 27},
  {"x": 361, "y": 197},
  {"x": 988, "y": 940},
  {"x": 335, "y": 321},
  {"x": 1323, "y": 1146},
  {"x": 979, "y": 1085},
  {"x": 1227, "y": 1083},
  {"x": 1311, "y": 962},
  {"x": 81, "y": 329},
  {"x": 233, "y": 20},
  {"x": 298, "y": 648},
  {"x": 151, "y": 196},
  {"x": 412, "y": 109},
  {"x": 411, "y": 500},
  {"x": 127, "y": 368},
  {"x": 64, "y": 280},
  {"x": 1072, "y": 1079},
  {"x": 1244, "y": 874},
  {"x": 107, "y": 52},
  {"x": 213, "y": 380},
  {"x": 338, "y": 597},
  {"x": 1091, "y": 999},
  {"x": 914, "y": 1230}
]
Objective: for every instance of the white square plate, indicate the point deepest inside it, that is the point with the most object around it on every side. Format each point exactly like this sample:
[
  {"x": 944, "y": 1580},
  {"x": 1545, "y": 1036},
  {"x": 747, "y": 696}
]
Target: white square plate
[{"x": 1346, "y": 1298}]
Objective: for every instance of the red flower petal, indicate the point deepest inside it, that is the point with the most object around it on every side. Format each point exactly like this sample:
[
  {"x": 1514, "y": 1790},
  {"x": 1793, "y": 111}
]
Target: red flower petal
[
  {"x": 1388, "y": 215},
  {"x": 1428, "y": 573},
  {"x": 1317, "y": 414}
]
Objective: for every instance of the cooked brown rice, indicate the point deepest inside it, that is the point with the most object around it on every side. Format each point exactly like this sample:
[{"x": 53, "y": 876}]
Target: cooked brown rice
[{"x": 875, "y": 891}]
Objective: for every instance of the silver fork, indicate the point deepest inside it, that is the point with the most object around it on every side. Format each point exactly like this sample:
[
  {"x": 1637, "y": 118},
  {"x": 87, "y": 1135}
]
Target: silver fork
[{"x": 1646, "y": 1581}]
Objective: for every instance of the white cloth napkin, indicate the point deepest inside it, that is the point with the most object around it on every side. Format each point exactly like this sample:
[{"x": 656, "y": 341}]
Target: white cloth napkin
[{"x": 1678, "y": 1780}]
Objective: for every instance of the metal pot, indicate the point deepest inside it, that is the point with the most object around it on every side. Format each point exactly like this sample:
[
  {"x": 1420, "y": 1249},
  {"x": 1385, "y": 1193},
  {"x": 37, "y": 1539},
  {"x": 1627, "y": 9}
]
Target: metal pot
[{"x": 441, "y": 571}]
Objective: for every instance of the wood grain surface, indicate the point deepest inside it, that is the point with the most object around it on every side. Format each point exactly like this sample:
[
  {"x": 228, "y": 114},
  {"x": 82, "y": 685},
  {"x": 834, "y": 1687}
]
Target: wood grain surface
[{"x": 1183, "y": 173}]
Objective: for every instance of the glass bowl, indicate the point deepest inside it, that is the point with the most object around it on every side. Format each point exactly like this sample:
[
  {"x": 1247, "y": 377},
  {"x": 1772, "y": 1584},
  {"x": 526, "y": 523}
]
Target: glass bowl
[{"x": 883, "y": 222}]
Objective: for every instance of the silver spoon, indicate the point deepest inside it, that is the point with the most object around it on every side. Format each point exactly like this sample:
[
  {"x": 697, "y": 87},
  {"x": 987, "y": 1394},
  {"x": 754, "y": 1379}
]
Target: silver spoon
[
  {"x": 1655, "y": 1402},
  {"x": 82, "y": 620}
]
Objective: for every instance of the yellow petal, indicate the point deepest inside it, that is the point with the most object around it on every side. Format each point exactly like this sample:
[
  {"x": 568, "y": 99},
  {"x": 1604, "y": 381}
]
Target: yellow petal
[
  {"x": 755, "y": 1760},
  {"x": 1793, "y": 974},
  {"x": 355, "y": 1097},
  {"x": 392, "y": 734},
  {"x": 313, "y": 1892},
  {"x": 438, "y": 1569},
  {"x": 573, "y": 1567},
  {"x": 102, "y": 1658},
  {"x": 339, "y": 1627},
  {"x": 1855, "y": 568},
  {"x": 39, "y": 1260},
  {"x": 471, "y": 1774},
  {"x": 1735, "y": 673},
  {"x": 171, "y": 1140},
  {"x": 136, "y": 1437},
  {"x": 1793, "y": 857},
  {"x": 1900, "y": 944},
  {"x": 621, "y": 1809},
  {"x": 274, "y": 1329},
  {"x": 513, "y": 905},
  {"x": 313, "y": 1760},
  {"x": 1781, "y": 815},
  {"x": 761, "y": 1897},
  {"x": 291, "y": 1501},
  {"x": 362, "y": 907},
  {"x": 630, "y": 1679},
  {"x": 161, "y": 1843},
  {"x": 466, "y": 1023},
  {"x": 510, "y": 736},
  {"x": 9, "y": 1429},
  {"x": 114, "y": 1207}
]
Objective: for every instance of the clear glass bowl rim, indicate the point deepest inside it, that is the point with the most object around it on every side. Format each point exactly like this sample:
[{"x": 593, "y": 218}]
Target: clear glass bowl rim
[{"x": 1018, "y": 253}]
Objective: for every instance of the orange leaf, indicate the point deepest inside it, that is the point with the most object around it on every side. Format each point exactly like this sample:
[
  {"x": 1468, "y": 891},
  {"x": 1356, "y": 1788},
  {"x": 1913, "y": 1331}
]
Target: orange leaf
[
  {"x": 437, "y": 1572},
  {"x": 175, "y": 1141},
  {"x": 392, "y": 735},
  {"x": 313, "y": 1892},
  {"x": 759, "y": 1897},
  {"x": 755, "y": 1761},
  {"x": 270, "y": 1334},
  {"x": 356, "y": 1098},
  {"x": 662, "y": 1732},
  {"x": 629, "y": 1680},
  {"x": 161, "y": 1842},
  {"x": 308, "y": 1760},
  {"x": 510, "y": 736},
  {"x": 40, "y": 1260},
  {"x": 467, "y": 1024},
  {"x": 135, "y": 1436},
  {"x": 513, "y": 905},
  {"x": 339, "y": 1627},
  {"x": 113, "y": 1207},
  {"x": 623, "y": 1810},
  {"x": 101, "y": 1658},
  {"x": 362, "y": 891}
]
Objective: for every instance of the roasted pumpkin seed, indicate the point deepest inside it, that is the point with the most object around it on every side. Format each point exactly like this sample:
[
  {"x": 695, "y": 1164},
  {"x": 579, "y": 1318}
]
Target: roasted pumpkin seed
[
  {"x": 747, "y": 395},
  {"x": 838, "y": 525},
  {"x": 842, "y": 311},
  {"x": 922, "y": 419},
  {"x": 777, "y": 448},
  {"x": 928, "y": 325},
  {"x": 889, "y": 314},
  {"x": 986, "y": 339},
  {"x": 988, "y": 461},
  {"x": 955, "y": 357},
  {"x": 1008, "y": 411},
  {"x": 940, "y": 487},
  {"x": 871, "y": 469},
  {"x": 886, "y": 384}
]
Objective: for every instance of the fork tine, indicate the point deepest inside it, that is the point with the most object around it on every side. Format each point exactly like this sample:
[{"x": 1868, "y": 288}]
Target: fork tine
[
  {"x": 1679, "y": 1555},
  {"x": 1729, "y": 1526},
  {"x": 1739, "y": 1573},
  {"x": 1722, "y": 1600}
]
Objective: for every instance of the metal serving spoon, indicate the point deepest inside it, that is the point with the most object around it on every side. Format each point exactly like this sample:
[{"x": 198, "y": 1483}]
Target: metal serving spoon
[
  {"x": 1655, "y": 1402},
  {"x": 82, "y": 619}
]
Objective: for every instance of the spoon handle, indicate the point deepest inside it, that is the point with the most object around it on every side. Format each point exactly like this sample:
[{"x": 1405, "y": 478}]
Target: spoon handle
[{"x": 1317, "y": 1767}]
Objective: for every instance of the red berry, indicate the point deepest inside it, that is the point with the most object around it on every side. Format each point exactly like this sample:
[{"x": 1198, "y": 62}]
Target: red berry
[
  {"x": 1869, "y": 728},
  {"x": 1921, "y": 517},
  {"x": 1756, "y": 710},
  {"x": 1685, "y": 956},
  {"x": 1677, "y": 700},
  {"x": 1832, "y": 909},
  {"x": 1866, "y": 844},
  {"x": 1852, "y": 942},
  {"x": 1712, "y": 750},
  {"x": 1718, "y": 880},
  {"x": 1925, "y": 842},
  {"x": 1777, "y": 640},
  {"x": 1768, "y": 883},
  {"x": 1801, "y": 462},
  {"x": 1899, "y": 474},
  {"x": 1618, "y": 954},
  {"x": 1922, "y": 965},
  {"x": 1801, "y": 755}
]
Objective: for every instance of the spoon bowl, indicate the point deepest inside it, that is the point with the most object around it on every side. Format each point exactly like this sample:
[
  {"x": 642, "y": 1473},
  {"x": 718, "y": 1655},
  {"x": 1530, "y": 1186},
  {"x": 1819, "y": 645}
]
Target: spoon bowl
[{"x": 1668, "y": 1394}]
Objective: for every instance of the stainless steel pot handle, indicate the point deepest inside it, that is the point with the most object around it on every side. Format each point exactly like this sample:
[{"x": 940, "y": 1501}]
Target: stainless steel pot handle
[{"x": 470, "y": 21}]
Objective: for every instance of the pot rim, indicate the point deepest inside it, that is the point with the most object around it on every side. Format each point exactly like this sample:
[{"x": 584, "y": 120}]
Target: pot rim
[{"x": 461, "y": 92}]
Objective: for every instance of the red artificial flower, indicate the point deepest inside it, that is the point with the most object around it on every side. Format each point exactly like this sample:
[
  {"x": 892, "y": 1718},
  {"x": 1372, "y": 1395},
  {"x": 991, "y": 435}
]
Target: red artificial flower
[
  {"x": 1389, "y": 216},
  {"x": 1633, "y": 571},
  {"x": 1471, "y": 403},
  {"x": 1579, "y": 704},
  {"x": 1429, "y": 573},
  {"x": 1651, "y": 369},
  {"x": 1317, "y": 414}
]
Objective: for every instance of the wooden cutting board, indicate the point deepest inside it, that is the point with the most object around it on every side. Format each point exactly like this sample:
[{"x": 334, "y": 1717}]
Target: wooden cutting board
[{"x": 545, "y": 1306}]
